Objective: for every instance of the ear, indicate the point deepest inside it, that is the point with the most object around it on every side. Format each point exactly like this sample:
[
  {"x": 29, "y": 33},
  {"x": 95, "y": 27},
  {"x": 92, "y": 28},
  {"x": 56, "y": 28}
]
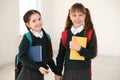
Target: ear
[{"x": 27, "y": 24}]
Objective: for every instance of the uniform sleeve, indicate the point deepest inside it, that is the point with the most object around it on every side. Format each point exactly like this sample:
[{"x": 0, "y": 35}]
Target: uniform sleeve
[
  {"x": 52, "y": 65},
  {"x": 23, "y": 49},
  {"x": 90, "y": 52},
  {"x": 60, "y": 59}
]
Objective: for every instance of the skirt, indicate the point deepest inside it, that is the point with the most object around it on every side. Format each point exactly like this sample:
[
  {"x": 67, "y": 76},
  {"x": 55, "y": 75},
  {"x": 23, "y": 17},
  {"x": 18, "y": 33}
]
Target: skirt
[
  {"x": 77, "y": 75},
  {"x": 27, "y": 74}
]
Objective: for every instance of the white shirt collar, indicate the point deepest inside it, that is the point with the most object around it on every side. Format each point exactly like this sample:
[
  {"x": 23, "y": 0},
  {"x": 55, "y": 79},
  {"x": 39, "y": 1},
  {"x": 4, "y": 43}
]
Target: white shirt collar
[
  {"x": 77, "y": 30},
  {"x": 37, "y": 34}
]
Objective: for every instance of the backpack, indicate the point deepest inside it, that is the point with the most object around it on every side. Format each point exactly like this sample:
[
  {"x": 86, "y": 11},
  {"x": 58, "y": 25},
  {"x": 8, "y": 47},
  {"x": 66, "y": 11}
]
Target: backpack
[
  {"x": 64, "y": 38},
  {"x": 18, "y": 64}
]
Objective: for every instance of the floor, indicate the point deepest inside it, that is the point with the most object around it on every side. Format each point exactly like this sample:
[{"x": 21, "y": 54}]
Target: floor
[{"x": 103, "y": 68}]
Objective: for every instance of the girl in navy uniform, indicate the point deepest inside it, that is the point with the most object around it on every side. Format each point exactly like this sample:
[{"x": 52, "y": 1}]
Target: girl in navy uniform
[
  {"x": 78, "y": 23},
  {"x": 35, "y": 70}
]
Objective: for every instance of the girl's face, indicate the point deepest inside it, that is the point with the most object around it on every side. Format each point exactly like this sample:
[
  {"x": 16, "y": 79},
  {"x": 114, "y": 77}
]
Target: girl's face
[
  {"x": 35, "y": 22},
  {"x": 77, "y": 18}
]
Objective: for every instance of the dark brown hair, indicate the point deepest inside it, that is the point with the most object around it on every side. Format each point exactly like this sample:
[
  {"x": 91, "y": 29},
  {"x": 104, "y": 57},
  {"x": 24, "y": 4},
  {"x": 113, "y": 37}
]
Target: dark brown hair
[
  {"x": 27, "y": 16},
  {"x": 26, "y": 19}
]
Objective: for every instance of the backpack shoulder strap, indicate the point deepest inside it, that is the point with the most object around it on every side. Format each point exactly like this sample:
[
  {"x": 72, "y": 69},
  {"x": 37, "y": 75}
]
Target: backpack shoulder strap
[
  {"x": 16, "y": 59},
  {"x": 48, "y": 36},
  {"x": 88, "y": 40},
  {"x": 64, "y": 37},
  {"x": 28, "y": 35},
  {"x": 89, "y": 35}
]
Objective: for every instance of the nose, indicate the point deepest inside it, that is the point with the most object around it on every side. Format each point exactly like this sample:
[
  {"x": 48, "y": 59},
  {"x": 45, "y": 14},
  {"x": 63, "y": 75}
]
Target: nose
[{"x": 78, "y": 18}]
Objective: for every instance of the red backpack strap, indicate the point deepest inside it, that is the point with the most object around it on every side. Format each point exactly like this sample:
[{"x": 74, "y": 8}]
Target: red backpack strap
[
  {"x": 89, "y": 35},
  {"x": 88, "y": 39},
  {"x": 64, "y": 37}
]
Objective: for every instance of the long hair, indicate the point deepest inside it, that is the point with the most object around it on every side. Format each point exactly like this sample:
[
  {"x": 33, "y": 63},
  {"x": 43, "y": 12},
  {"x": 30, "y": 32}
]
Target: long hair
[
  {"x": 88, "y": 22},
  {"x": 26, "y": 19},
  {"x": 88, "y": 26}
]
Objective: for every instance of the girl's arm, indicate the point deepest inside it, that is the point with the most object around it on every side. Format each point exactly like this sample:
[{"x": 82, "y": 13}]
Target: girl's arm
[
  {"x": 52, "y": 65},
  {"x": 91, "y": 50},
  {"x": 60, "y": 59},
  {"x": 23, "y": 50}
]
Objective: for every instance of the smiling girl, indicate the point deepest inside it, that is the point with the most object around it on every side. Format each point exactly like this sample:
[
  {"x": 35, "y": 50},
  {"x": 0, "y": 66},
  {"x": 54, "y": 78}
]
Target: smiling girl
[
  {"x": 78, "y": 24},
  {"x": 35, "y": 70}
]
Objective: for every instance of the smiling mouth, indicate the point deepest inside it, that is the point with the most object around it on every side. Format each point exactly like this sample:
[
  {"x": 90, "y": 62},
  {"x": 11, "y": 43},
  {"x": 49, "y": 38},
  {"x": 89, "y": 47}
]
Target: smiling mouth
[{"x": 78, "y": 22}]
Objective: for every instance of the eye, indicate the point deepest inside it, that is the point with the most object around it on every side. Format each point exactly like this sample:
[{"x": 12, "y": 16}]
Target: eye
[
  {"x": 34, "y": 21},
  {"x": 81, "y": 14},
  {"x": 39, "y": 19},
  {"x": 74, "y": 15}
]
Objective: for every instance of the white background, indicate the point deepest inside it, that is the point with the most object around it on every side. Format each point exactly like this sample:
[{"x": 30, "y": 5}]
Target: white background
[{"x": 104, "y": 13}]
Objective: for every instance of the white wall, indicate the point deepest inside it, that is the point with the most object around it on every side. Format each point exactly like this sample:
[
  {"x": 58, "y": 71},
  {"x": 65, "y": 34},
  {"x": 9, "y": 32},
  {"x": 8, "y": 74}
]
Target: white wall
[
  {"x": 104, "y": 13},
  {"x": 10, "y": 37},
  {"x": 9, "y": 30},
  {"x": 45, "y": 13},
  {"x": 105, "y": 16}
]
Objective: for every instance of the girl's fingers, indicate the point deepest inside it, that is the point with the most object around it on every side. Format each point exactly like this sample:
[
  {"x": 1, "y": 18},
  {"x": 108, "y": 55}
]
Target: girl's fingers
[{"x": 43, "y": 70}]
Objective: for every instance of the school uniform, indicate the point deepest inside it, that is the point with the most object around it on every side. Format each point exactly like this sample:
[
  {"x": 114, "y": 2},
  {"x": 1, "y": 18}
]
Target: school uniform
[
  {"x": 75, "y": 69},
  {"x": 30, "y": 70}
]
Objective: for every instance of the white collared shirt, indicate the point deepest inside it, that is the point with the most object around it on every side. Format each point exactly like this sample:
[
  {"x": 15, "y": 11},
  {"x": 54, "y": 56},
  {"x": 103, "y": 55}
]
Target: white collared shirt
[
  {"x": 37, "y": 34},
  {"x": 77, "y": 30}
]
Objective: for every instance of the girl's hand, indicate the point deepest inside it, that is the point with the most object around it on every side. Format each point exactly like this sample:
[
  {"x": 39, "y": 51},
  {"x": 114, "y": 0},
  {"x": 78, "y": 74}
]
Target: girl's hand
[
  {"x": 73, "y": 45},
  {"x": 43, "y": 70},
  {"x": 57, "y": 77}
]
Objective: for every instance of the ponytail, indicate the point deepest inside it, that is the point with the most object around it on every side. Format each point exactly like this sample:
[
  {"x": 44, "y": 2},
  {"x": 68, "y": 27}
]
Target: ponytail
[
  {"x": 88, "y": 22},
  {"x": 89, "y": 26},
  {"x": 68, "y": 23}
]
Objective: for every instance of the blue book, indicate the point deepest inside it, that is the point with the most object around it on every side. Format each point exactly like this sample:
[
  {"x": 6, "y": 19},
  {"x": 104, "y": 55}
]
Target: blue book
[{"x": 35, "y": 53}]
